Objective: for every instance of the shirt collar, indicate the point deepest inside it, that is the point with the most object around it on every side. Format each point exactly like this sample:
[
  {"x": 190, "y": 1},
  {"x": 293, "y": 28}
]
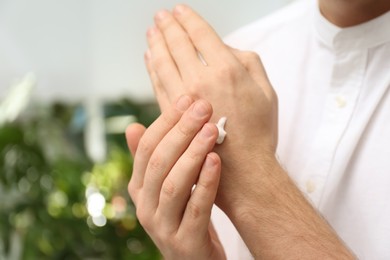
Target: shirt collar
[{"x": 362, "y": 36}]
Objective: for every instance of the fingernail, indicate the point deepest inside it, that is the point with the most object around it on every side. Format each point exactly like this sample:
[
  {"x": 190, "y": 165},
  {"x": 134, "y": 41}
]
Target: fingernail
[
  {"x": 209, "y": 162},
  {"x": 151, "y": 31},
  {"x": 206, "y": 131},
  {"x": 200, "y": 109},
  {"x": 179, "y": 9},
  {"x": 183, "y": 103},
  {"x": 161, "y": 15}
]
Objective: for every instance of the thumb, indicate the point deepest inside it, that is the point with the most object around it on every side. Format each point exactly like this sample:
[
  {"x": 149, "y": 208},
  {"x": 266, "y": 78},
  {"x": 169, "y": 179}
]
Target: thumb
[{"x": 134, "y": 132}]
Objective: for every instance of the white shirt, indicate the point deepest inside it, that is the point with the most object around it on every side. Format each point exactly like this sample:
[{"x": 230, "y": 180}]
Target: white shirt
[{"x": 334, "y": 120}]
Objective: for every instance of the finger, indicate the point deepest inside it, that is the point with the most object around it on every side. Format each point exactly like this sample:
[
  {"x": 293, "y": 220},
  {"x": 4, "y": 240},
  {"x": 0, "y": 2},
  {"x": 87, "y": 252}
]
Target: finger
[
  {"x": 161, "y": 96},
  {"x": 177, "y": 186},
  {"x": 203, "y": 36},
  {"x": 197, "y": 215},
  {"x": 162, "y": 63},
  {"x": 252, "y": 62},
  {"x": 179, "y": 45},
  {"x": 153, "y": 136},
  {"x": 133, "y": 134},
  {"x": 172, "y": 147}
]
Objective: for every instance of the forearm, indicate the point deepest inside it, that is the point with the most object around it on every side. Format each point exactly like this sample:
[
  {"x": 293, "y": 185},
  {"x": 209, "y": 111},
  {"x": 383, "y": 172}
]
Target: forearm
[{"x": 277, "y": 222}]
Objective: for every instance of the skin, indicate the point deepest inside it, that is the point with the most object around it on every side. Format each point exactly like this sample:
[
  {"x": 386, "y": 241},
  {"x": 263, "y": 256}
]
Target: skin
[
  {"x": 173, "y": 154},
  {"x": 273, "y": 217},
  {"x": 346, "y": 13}
]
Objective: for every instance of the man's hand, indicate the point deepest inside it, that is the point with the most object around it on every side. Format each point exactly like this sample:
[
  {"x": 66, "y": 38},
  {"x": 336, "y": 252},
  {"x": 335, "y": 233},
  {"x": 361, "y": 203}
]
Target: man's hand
[
  {"x": 186, "y": 56},
  {"x": 273, "y": 217},
  {"x": 170, "y": 157}
]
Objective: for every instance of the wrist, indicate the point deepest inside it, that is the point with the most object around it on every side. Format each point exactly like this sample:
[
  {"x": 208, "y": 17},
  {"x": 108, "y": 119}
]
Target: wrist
[
  {"x": 262, "y": 192},
  {"x": 275, "y": 220},
  {"x": 254, "y": 186}
]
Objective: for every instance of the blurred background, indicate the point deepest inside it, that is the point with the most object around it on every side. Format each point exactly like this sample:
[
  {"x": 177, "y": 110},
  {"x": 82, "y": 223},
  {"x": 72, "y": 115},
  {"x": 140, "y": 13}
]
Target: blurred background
[{"x": 71, "y": 79}]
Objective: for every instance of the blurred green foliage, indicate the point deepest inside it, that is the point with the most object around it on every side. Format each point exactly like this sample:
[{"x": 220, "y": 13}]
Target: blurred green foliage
[{"x": 46, "y": 178}]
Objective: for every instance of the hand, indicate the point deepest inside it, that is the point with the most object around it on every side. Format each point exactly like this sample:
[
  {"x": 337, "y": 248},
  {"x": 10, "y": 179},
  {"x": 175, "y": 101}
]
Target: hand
[
  {"x": 170, "y": 157},
  {"x": 271, "y": 214},
  {"x": 186, "y": 56}
]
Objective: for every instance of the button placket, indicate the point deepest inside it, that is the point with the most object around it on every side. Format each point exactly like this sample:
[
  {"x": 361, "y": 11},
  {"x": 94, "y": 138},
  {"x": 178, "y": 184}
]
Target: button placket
[{"x": 340, "y": 103}]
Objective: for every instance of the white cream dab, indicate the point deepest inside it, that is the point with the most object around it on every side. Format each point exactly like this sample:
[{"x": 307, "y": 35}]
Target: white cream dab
[{"x": 221, "y": 131}]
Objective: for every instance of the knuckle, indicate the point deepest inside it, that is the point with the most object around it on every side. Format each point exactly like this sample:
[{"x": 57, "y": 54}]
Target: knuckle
[
  {"x": 144, "y": 147},
  {"x": 253, "y": 56},
  {"x": 204, "y": 186},
  {"x": 194, "y": 156},
  {"x": 194, "y": 210},
  {"x": 169, "y": 189},
  {"x": 249, "y": 58},
  {"x": 156, "y": 164},
  {"x": 228, "y": 72},
  {"x": 184, "y": 129},
  {"x": 196, "y": 87}
]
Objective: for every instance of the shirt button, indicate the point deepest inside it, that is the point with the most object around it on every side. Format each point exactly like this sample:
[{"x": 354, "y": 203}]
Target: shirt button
[
  {"x": 310, "y": 186},
  {"x": 340, "y": 102}
]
